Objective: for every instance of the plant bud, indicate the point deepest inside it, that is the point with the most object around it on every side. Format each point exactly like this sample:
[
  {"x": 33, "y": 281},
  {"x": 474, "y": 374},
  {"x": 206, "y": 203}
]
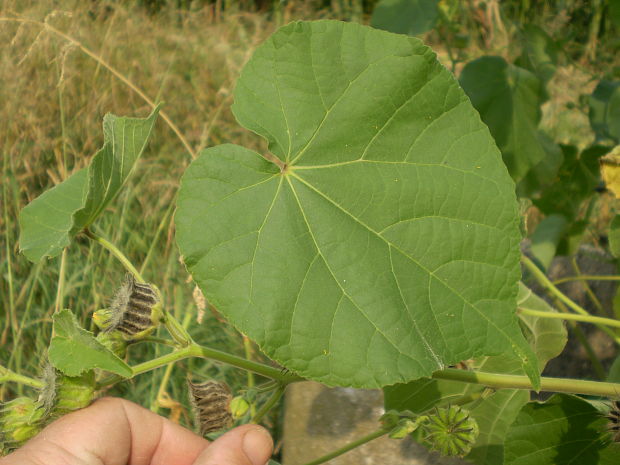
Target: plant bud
[
  {"x": 211, "y": 402},
  {"x": 135, "y": 310},
  {"x": 239, "y": 407},
  {"x": 19, "y": 421},
  {"x": 404, "y": 427},
  {"x": 451, "y": 431},
  {"x": 390, "y": 419}
]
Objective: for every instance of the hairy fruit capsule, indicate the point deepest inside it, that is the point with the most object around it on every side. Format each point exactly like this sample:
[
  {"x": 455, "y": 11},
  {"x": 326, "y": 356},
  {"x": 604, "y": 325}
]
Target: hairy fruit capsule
[
  {"x": 63, "y": 394},
  {"x": 135, "y": 310},
  {"x": 211, "y": 402},
  {"x": 19, "y": 421},
  {"x": 451, "y": 431},
  {"x": 613, "y": 426}
]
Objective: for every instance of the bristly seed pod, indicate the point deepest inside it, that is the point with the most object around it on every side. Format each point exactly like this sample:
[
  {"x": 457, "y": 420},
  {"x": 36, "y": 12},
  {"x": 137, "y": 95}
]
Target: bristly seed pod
[
  {"x": 451, "y": 431},
  {"x": 211, "y": 402},
  {"x": 135, "y": 310},
  {"x": 614, "y": 421},
  {"x": 19, "y": 421}
]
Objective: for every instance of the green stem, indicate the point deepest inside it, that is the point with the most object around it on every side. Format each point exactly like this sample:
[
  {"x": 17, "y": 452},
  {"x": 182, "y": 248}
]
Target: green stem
[
  {"x": 571, "y": 316},
  {"x": 352, "y": 445},
  {"x": 7, "y": 375},
  {"x": 502, "y": 381},
  {"x": 554, "y": 291},
  {"x": 247, "y": 348},
  {"x": 195, "y": 350},
  {"x": 116, "y": 252},
  {"x": 267, "y": 406},
  {"x": 586, "y": 277},
  {"x": 591, "y": 294}
]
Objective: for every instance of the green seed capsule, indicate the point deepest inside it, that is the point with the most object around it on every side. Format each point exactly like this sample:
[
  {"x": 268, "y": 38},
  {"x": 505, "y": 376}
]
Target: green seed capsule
[
  {"x": 62, "y": 394},
  {"x": 20, "y": 419},
  {"x": 211, "y": 402},
  {"x": 451, "y": 431}
]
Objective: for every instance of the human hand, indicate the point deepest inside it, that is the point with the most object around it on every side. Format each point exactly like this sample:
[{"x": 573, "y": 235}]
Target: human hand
[{"x": 117, "y": 432}]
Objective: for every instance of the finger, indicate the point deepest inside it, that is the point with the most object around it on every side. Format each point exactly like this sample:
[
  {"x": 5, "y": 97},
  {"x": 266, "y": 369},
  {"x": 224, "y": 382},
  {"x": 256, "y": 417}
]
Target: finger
[
  {"x": 245, "y": 445},
  {"x": 110, "y": 432}
]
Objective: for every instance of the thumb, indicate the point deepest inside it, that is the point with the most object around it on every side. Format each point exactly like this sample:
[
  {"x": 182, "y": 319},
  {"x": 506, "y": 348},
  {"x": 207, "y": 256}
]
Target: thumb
[{"x": 245, "y": 445}]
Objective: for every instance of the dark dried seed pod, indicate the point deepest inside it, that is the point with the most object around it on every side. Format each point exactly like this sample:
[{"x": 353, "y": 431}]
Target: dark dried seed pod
[
  {"x": 211, "y": 402},
  {"x": 135, "y": 308},
  {"x": 613, "y": 426}
]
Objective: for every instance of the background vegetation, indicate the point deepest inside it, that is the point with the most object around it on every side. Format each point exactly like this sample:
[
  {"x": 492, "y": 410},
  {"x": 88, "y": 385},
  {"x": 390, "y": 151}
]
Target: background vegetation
[{"x": 57, "y": 62}]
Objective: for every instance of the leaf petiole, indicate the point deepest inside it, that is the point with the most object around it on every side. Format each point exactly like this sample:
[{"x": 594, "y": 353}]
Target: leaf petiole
[
  {"x": 116, "y": 252},
  {"x": 7, "y": 375}
]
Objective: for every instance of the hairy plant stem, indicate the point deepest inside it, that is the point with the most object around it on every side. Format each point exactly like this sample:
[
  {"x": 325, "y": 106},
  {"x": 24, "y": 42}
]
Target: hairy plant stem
[
  {"x": 571, "y": 316},
  {"x": 352, "y": 445},
  {"x": 60, "y": 288},
  {"x": 196, "y": 350},
  {"x": 7, "y": 375},
  {"x": 116, "y": 252},
  {"x": 555, "y": 292},
  {"x": 269, "y": 404},
  {"x": 502, "y": 381}
]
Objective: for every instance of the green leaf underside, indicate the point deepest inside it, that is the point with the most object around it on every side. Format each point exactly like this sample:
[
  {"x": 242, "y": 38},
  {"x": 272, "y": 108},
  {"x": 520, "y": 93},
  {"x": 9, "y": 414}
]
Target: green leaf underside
[
  {"x": 508, "y": 99},
  {"x": 564, "y": 430},
  {"x": 494, "y": 415},
  {"x": 389, "y": 246},
  {"x": 73, "y": 350},
  {"x": 49, "y": 223}
]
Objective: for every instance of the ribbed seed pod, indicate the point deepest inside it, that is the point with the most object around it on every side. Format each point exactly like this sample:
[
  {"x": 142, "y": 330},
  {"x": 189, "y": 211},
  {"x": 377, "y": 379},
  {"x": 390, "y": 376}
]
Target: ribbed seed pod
[
  {"x": 19, "y": 421},
  {"x": 135, "y": 310},
  {"x": 451, "y": 431},
  {"x": 614, "y": 421},
  {"x": 211, "y": 402}
]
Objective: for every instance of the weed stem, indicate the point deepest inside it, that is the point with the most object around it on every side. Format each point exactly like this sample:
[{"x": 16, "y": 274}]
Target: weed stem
[
  {"x": 116, "y": 252},
  {"x": 555, "y": 292},
  {"x": 571, "y": 316},
  {"x": 269, "y": 404},
  {"x": 352, "y": 445},
  {"x": 7, "y": 375}
]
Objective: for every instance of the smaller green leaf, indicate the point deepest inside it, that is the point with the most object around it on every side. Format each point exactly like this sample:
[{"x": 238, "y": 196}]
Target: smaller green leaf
[
  {"x": 605, "y": 110},
  {"x": 547, "y": 336},
  {"x": 614, "y": 371},
  {"x": 508, "y": 99},
  {"x": 546, "y": 238},
  {"x": 540, "y": 53},
  {"x": 52, "y": 220},
  {"x": 564, "y": 430},
  {"x": 411, "y": 17},
  {"x": 545, "y": 172},
  {"x": 614, "y": 236},
  {"x": 74, "y": 350}
]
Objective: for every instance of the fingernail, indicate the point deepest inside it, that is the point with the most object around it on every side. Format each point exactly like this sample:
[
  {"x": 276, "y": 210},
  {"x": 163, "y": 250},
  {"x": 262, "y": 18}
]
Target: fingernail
[{"x": 257, "y": 445}]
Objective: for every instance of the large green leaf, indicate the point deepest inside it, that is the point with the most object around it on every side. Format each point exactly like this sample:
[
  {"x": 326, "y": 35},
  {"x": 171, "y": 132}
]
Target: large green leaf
[
  {"x": 411, "y": 17},
  {"x": 387, "y": 246},
  {"x": 496, "y": 413},
  {"x": 508, "y": 99},
  {"x": 564, "y": 430},
  {"x": 605, "y": 110},
  {"x": 73, "y": 350},
  {"x": 49, "y": 223}
]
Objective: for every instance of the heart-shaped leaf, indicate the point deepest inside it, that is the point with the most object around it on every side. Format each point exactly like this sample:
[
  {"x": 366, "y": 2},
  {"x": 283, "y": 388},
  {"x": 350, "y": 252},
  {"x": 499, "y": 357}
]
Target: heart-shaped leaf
[
  {"x": 384, "y": 243},
  {"x": 73, "y": 350},
  {"x": 49, "y": 222}
]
